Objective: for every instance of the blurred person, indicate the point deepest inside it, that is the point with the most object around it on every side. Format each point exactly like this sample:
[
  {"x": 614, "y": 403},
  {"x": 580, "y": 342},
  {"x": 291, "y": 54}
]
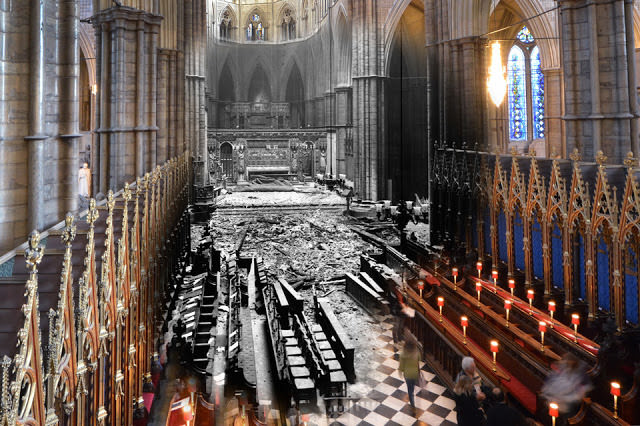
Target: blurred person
[
  {"x": 566, "y": 386},
  {"x": 410, "y": 368},
  {"x": 468, "y": 366},
  {"x": 468, "y": 410},
  {"x": 500, "y": 413}
]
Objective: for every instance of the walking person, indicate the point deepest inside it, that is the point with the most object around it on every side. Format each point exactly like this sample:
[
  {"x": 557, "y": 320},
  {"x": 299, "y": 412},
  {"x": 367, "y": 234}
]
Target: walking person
[
  {"x": 467, "y": 406},
  {"x": 410, "y": 368}
]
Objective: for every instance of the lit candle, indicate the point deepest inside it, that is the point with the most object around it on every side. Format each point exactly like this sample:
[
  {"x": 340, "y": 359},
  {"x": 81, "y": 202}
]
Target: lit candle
[
  {"x": 440, "y": 305},
  {"x": 553, "y": 412},
  {"x": 464, "y": 322},
  {"x": 512, "y": 285},
  {"x": 479, "y": 268},
  {"x": 420, "y": 287},
  {"x": 494, "y": 351},
  {"x": 552, "y": 309},
  {"x": 494, "y": 275},
  {"x": 575, "y": 320},
  {"x": 530, "y": 296},
  {"x": 454, "y": 272},
  {"x": 542, "y": 328},
  {"x": 507, "y": 308},
  {"x": 615, "y": 391},
  {"x": 478, "y": 289}
]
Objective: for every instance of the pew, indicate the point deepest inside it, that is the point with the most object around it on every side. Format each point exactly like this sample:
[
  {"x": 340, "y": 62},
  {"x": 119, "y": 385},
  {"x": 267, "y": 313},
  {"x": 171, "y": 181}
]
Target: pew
[
  {"x": 338, "y": 339},
  {"x": 365, "y": 296}
]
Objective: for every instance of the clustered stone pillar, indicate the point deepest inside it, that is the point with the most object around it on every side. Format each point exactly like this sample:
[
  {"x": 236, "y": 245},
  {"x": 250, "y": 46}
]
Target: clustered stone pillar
[
  {"x": 69, "y": 65},
  {"x": 599, "y": 80},
  {"x": 368, "y": 93},
  {"x": 126, "y": 41},
  {"x": 37, "y": 137},
  {"x": 195, "y": 113}
]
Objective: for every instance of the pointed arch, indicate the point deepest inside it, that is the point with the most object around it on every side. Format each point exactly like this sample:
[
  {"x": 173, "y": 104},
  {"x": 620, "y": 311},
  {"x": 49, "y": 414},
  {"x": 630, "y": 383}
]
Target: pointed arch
[
  {"x": 226, "y": 95},
  {"x": 287, "y": 22},
  {"x": 343, "y": 47},
  {"x": 227, "y": 23},
  {"x": 259, "y": 85},
  {"x": 255, "y": 26},
  {"x": 295, "y": 96}
]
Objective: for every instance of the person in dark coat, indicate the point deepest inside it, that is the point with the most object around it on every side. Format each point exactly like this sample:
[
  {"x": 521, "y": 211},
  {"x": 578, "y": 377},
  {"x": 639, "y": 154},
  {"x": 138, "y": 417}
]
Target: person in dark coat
[
  {"x": 500, "y": 413},
  {"x": 467, "y": 406}
]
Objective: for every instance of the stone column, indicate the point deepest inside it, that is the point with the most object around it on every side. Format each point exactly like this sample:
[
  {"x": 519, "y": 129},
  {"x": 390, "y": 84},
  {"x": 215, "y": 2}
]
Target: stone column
[
  {"x": 473, "y": 91},
  {"x": 553, "y": 113},
  {"x": 195, "y": 49},
  {"x": 368, "y": 97},
  {"x": 36, "y": 138},
  {"x": 600, "y": 102},
  {"x": 126, "y": 133},
  {"x": 162, "y": 152}
]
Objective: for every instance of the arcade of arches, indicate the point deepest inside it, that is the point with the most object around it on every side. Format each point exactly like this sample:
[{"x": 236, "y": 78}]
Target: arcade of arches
[{"x": 132, "y": 119}]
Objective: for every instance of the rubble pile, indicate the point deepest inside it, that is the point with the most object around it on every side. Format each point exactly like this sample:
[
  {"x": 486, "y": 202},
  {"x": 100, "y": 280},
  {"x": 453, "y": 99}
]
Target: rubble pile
[
  {"x": 301, "y": 248},
  {"x": 303, "y": 196}
]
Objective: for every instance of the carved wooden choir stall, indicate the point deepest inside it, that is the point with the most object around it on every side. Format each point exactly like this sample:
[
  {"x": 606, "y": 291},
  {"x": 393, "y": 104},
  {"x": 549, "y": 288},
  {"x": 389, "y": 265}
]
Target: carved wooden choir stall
[{"x": 80, "y": 349}]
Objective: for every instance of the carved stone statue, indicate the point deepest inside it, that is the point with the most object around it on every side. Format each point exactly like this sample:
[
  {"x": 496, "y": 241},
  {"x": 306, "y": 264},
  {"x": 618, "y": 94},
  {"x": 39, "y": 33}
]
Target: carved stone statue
[{"x": 84, "y": 181}]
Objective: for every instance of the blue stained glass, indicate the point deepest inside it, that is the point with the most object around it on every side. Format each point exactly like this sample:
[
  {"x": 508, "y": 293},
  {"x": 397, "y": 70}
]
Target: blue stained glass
[
  {"x": 631, "y": 287},
  {"x": 249, "y": 31},
  {"x": 525, "y": 36},
  {"x": 255, "y": 18},
  {"x": 517, "y": 95},
  {"x": 537, "y": 90}
]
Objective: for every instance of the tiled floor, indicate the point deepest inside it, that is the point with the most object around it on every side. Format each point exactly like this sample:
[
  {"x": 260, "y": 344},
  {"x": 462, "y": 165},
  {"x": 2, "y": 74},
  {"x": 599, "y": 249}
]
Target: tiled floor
[{"x": 387, "y": 401}]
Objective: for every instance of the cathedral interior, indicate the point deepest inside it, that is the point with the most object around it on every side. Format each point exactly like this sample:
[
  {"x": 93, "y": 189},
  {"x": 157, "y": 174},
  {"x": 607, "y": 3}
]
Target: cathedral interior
[{"x": 319, "y": 212}]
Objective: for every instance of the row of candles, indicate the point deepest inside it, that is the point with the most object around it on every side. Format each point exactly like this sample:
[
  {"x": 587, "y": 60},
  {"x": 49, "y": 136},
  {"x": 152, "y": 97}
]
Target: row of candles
[
  {"x": 542, "y": 328},
  {"x": 615, "y": 392}
]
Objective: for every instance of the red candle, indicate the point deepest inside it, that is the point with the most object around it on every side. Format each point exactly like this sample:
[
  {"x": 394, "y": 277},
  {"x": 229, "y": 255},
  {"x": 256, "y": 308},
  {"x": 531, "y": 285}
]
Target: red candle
[
  {"x": 464, "y": 321},
  {"x": 494, "y": 274},
  {"x": 530, "y": 294},
  {"x": 615, "y": 389},
  {"x": 440, "y": 301},
  {"x": 479, "y": 266},
  {"x": 478, "y": 286},
  {"x": 553, "y": 409},
  {"x": 512, "y": 283},
  {"x": 507, "y": 304},
  {"x": 542, "y": 327},
  {"x": 575, "y": 319},
  {"x": 494, "y": 346},
  {"x": 454, "y": 272},
  {"x": 552, "y": 306},
  {"x": 420, "y": 285}
]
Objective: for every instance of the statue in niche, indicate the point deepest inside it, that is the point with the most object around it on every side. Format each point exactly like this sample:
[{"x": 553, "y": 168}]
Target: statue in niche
[
  {"x": 241, "y": 168},
  {"x": 323, "y": 161},
  {"x": 84, "y": 181}
]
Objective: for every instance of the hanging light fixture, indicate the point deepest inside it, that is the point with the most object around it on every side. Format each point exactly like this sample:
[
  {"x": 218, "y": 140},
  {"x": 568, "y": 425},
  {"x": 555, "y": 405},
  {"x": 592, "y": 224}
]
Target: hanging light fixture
[{"x": 496, "y": 83}]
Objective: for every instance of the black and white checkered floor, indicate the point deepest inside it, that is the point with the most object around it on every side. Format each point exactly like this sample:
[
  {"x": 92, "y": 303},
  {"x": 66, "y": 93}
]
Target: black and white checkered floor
[{"x": 387, "y": 402}]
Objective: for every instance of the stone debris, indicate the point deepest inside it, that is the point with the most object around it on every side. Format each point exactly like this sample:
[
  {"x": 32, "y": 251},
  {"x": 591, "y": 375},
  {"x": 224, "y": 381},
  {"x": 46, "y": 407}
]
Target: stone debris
[
  {"x": 301, "y": 248},
  {"x": 298, "y": 197}
]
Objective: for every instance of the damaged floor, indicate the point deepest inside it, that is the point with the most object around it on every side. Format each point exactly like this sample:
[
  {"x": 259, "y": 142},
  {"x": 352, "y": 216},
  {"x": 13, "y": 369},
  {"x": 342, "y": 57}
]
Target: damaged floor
[{"x": 312, "y": 249}]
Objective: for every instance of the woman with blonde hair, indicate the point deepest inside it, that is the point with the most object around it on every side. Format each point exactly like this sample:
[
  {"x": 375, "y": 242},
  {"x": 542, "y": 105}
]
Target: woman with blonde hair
[{"x": 467, "y": 407}]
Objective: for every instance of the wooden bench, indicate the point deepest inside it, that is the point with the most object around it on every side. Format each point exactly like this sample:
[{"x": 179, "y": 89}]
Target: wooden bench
[
  {"x": 337, "y": 337},
  {"x": 370, "y": 301},
  {"x": 295, "y": 300}
]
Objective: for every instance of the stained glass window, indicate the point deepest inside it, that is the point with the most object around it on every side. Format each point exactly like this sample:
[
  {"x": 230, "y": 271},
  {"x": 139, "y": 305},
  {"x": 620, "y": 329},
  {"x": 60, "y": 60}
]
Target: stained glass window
[
  {"x": 516, "y": 76},
  {"x": 537, "y": 93},
  {"x": 525, "y": 36},
  {"x": 525, "y": 89},
  {"x": 255, "y": 30}
]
